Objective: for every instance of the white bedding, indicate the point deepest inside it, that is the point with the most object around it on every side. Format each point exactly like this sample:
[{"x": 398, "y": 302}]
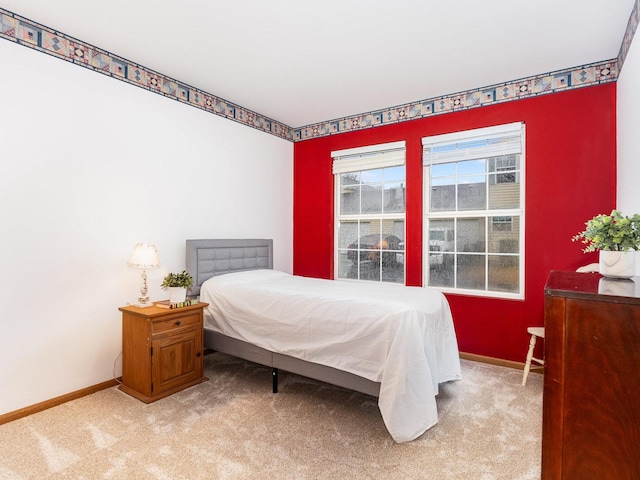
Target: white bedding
[{"x": 402, "y": 337}]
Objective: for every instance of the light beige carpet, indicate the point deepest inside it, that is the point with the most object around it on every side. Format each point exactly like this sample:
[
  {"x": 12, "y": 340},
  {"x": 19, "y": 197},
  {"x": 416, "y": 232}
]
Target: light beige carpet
[{"x": 233, "y": 427}]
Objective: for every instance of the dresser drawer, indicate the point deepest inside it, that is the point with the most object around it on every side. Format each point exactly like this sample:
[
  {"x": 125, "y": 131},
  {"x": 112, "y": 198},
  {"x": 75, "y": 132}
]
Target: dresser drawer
[{"x": 177, "y": 322}]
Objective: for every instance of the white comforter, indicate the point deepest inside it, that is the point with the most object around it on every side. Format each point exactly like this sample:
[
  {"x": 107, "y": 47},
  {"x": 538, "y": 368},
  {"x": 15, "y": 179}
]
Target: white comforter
[{"x": 402, "y": 337}]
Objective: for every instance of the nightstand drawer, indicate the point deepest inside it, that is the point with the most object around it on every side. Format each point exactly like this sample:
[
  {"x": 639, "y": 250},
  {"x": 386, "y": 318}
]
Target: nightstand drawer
[{"x": 179, "y": 321}]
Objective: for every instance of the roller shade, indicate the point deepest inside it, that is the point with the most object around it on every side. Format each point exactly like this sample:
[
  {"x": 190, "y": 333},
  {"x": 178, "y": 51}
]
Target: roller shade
[
  {"x": 482, "y": 143},
  {"x": 367, "y": 158}
]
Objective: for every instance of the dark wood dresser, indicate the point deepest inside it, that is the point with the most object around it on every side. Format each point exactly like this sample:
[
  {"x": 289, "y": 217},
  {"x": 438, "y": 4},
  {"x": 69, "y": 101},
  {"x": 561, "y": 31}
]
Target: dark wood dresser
[{"x": 591, "y": 402}]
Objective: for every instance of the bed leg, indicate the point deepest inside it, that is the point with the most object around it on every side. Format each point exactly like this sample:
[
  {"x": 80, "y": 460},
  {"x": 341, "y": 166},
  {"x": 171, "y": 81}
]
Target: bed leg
[{"x": 274, "y": 374}]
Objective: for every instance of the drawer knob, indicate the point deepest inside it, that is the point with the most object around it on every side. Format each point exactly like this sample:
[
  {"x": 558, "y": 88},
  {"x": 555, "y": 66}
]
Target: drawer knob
[{"x": 178, "y": 322}]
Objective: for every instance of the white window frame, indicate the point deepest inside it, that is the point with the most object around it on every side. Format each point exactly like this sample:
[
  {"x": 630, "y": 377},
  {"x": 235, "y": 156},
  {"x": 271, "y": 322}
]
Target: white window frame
[
  {"x": 450, "y": 153},
  {"x": 358, "y": 159}
]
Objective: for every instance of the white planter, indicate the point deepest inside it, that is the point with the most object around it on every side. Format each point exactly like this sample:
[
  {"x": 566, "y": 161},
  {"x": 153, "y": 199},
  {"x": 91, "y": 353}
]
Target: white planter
[
  {"x": 177, "y": 294},
  {"x": 618, "y": 264}
]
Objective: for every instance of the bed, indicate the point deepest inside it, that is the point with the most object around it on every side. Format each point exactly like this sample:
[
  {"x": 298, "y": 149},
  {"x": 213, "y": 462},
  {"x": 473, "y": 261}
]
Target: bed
[{"x": 393, "y": 342}]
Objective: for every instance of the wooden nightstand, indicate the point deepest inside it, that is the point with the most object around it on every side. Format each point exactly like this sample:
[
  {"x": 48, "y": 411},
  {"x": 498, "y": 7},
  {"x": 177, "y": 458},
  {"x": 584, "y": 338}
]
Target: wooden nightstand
[{"x": 162, "y": 350}]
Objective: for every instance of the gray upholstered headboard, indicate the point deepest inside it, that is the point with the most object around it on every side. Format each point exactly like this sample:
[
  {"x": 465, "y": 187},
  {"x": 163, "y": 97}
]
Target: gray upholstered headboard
[{"x": 211, "y": 257}]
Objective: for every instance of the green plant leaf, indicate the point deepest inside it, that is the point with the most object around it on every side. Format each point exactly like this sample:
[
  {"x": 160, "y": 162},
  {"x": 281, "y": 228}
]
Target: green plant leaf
[
  {"x": 610, "y": 232},
  {"x": 182, "y": 279}
]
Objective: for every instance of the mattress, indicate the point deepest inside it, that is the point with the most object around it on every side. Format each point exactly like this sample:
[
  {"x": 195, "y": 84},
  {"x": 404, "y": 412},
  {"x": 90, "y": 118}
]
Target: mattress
[{"x": 402, "y": 337}]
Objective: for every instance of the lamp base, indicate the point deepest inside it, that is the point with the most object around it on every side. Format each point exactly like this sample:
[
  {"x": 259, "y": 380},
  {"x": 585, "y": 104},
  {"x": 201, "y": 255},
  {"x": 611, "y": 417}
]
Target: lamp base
[{"x": 144, "y": 305}]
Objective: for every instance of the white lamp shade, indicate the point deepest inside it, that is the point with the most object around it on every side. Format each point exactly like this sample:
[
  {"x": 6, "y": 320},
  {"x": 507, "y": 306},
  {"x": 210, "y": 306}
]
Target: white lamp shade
[{"x": 145, "y": 255}]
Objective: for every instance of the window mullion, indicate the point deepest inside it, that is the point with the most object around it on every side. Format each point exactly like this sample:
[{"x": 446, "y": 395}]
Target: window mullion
[{"x": 486, "y": 250}]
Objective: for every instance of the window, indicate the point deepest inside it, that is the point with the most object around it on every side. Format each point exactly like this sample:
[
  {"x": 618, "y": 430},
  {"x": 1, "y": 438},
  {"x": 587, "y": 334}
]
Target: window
[
  {"x": 370, "y": 212},
  {"x": 507, "y": 164},
  {"x": 474, "y": 211},
  {"x": 502, "y": 224}
]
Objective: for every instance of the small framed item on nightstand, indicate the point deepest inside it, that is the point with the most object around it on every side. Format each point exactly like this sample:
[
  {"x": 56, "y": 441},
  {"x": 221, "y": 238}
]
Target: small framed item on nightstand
[{"x": 162, "y": 350}]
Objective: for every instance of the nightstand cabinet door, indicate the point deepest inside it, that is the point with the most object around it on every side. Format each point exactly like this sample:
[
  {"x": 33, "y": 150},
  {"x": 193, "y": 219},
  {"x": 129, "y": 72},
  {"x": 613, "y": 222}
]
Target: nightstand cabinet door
[
  {"x": 162, "y": 350},
  {"x": 176, "y": 360}
]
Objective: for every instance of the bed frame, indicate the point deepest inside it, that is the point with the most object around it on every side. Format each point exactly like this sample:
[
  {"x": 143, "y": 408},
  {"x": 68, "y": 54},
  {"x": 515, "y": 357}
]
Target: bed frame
[{"x": 208, "y": 258}]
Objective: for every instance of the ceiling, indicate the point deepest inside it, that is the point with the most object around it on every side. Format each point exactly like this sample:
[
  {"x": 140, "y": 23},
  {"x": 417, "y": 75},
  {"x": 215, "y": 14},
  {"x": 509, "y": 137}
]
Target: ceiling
[{"x": 302, "y": 62}]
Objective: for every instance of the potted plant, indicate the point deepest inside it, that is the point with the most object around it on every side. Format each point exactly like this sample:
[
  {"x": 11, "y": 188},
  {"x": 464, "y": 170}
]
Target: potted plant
[
  {"x": 617, "y": 238},
  {"x": 177, "y": 284}
]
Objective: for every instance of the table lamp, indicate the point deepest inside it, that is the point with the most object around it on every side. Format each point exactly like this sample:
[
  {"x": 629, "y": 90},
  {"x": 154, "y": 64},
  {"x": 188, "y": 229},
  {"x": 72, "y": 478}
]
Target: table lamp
[{"x": 145, "y": 255}]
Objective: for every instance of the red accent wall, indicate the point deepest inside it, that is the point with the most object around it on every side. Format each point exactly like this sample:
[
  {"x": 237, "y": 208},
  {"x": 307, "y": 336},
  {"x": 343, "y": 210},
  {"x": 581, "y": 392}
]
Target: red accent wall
[{"x": 570, "y": 177}]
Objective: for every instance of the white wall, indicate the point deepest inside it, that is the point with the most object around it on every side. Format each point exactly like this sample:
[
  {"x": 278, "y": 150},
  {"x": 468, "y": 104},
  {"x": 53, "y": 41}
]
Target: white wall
[
  {"x": 628, "y": 126},
  {"x": 89, "y": 166}
]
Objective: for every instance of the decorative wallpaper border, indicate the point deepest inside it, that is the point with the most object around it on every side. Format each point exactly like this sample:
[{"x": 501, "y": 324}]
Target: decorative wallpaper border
[
  {"x": 562, "y": 80},
  {"x": 632, "y": 26},
  {"x": 44, "y": 39}
]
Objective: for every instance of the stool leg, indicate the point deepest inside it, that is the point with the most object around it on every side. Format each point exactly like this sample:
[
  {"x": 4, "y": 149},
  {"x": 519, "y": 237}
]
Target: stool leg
[{"x": 527, "y": 364}]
